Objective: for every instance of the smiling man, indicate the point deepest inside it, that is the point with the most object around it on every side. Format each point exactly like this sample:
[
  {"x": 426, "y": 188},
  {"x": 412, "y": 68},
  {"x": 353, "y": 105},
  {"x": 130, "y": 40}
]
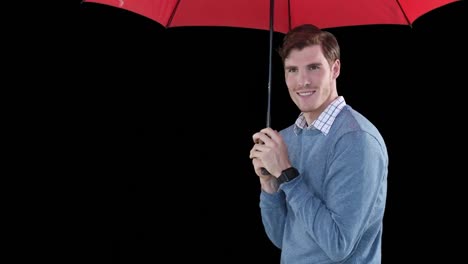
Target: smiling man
[{"x": 324, "y": 178}]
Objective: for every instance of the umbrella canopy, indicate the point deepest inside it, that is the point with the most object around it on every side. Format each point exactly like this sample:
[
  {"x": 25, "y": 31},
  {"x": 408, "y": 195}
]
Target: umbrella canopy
[
  {"x": 287, "y": 13},
  {"x": 277, "y": 16}
]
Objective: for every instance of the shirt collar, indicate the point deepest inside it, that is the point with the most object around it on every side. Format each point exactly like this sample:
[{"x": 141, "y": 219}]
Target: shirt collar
[{"x": 325, "y": 119}]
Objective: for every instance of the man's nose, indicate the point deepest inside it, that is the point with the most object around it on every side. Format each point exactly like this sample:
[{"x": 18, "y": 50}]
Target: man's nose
[{"x": 303, "y": 80}]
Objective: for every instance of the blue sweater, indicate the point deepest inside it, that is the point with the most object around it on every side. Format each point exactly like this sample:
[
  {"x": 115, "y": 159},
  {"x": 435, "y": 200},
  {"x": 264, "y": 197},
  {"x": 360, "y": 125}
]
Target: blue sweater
[{"x": 332, "y": 212}]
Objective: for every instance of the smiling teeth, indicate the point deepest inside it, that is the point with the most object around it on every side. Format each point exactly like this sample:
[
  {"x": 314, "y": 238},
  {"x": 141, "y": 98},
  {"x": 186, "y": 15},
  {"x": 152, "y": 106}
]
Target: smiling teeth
[{"x": 306, "y": 93}]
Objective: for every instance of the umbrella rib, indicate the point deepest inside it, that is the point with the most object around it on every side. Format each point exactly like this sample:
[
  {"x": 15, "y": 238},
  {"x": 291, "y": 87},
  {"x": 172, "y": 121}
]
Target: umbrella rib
[
  {"x": 173, "y": 13},
  {"x": 404, "y": 14}
]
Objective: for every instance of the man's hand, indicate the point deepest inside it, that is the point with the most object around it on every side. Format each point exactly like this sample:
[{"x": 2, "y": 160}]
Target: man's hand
[{"x": 271, "y": 150}]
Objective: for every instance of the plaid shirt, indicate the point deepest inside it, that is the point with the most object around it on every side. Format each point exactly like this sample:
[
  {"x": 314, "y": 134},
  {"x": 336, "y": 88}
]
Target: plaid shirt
[{"x": 325, "y": 119}]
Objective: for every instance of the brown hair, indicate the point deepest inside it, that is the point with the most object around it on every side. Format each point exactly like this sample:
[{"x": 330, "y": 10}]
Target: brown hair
[{"x": 308, "y": 35}]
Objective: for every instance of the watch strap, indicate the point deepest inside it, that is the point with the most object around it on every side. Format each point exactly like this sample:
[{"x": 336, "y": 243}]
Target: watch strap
[{"x": 288, "y": 175}]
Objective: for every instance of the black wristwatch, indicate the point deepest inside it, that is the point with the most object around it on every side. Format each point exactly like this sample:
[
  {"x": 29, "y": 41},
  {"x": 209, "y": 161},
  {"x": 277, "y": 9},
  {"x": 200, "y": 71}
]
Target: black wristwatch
[{"x": 288, "y": 175}]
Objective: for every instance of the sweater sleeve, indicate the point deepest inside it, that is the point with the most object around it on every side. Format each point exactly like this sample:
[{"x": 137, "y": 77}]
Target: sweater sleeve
[
  {"x": 357, "y": 168},
  {"x": 273, "y": 212}
]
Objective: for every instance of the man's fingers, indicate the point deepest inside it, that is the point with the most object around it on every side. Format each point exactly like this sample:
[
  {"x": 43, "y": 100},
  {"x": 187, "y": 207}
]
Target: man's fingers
[
  {"x": 257, "y": 150},
  {"x": 270, "y": 133},
  {"x": 261, "y": 138}
]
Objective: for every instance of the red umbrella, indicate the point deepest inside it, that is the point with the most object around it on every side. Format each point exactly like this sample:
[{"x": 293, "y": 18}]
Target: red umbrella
[{"x": 279, "y": 16}]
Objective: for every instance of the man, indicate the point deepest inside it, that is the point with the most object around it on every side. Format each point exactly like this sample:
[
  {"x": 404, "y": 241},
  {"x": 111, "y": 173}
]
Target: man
[{"x": 324, "y": 178}]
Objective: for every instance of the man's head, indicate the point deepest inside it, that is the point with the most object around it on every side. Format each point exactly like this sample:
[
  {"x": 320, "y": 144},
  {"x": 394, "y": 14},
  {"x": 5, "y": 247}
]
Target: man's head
[{"x": 311, "y": 67}]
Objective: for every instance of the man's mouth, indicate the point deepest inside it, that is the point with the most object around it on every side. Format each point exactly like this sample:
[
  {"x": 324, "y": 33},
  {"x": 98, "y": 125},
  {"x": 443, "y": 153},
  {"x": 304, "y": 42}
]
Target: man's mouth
[{"x": 308, "y": 93}]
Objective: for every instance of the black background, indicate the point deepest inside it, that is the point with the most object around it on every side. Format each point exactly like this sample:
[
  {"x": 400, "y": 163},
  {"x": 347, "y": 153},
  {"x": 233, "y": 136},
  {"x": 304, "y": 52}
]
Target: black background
[{"x": 160, "y": 124}]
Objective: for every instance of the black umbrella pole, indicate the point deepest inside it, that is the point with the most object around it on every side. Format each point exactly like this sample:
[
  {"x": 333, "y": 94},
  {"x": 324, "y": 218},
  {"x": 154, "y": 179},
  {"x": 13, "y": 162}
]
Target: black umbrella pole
[{"x": 268, "y": 119}]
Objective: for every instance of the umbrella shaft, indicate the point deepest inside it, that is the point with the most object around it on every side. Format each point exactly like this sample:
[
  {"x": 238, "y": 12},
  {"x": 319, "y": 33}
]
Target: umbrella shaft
[{"x": 272, "y": 9}]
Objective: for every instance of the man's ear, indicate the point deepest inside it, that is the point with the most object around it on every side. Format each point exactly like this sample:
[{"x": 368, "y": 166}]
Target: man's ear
[{"x": 336, "y": 69}]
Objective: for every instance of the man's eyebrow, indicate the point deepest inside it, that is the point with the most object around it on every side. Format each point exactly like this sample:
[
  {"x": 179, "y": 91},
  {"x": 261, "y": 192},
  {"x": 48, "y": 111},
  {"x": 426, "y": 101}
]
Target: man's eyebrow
[{"x": 308, "y": 65}]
